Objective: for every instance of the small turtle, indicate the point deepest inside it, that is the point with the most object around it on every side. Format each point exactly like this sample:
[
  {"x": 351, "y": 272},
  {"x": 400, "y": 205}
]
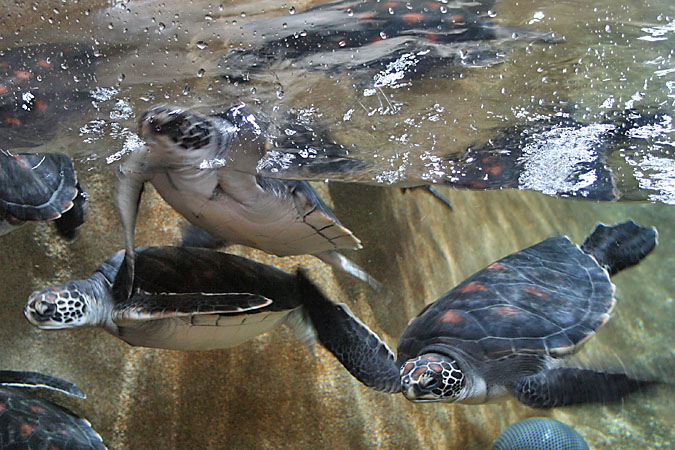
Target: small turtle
[
  {"x": 40, "y": 186},
  {"x": 505, "y": 329},
  {"x": 30, "y": 422},
  {"x": 381, "y": 43},
  {"x": 204, "y": 167},
  {"x": 182, "y": 299}
]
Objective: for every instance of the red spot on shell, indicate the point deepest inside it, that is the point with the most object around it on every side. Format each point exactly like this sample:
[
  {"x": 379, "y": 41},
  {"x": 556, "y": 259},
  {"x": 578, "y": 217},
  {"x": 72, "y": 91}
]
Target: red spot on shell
[
  {"x": 536, "y": 292},
  {"x": 413, "y": 17},
  {"x": 3, "y": 89},
  {"x": 37, "y": 410},
  {"x": 456, "y": 19},
  {"x": 472, "y": 287},
  {"x": 433, "y": 37},
  {"x": 54, "y": 447},
  {"x": 433, "y": 5},
  {"x": 506, "y": 311},
  {"x": 390, "y": 4},
  {"x": 40, "y": 105},
  {"x": 433, "y": 358},
  {"x": 477, "y": 185},
  {"x": 496, "y": 266},
  {"x": 44, "y": 63},
  {"x": 408, "y": 367},
  {"x": 2, "y": 407},
  {"x": 366, "y": 16},
  {"x": 12, "y": 121},
  {"x": 451, "y": 317},
  {"x": 4, "y": 64},
  {"x": 494, "y": 170},
  {"x": 23, "y": 75},
  {"x": 27, "y": 429}
]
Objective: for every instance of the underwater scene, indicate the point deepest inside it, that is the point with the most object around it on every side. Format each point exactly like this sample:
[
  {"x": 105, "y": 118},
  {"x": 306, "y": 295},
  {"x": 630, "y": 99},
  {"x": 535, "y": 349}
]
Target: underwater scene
[{"x": 352, "y": 224}]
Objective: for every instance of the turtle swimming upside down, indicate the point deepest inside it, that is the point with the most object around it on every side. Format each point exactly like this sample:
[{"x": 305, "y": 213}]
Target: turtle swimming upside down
[
  {"x": 181, "y": 299},
  {"x": 506, "y": 329},
  {"x": 204, "y": 167}
]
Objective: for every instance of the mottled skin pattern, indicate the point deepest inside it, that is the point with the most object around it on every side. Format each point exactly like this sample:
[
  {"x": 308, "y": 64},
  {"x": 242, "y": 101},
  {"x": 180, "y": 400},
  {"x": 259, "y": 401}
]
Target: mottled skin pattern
[
  {"x": 41, "y": 186},
  {"x": 380, "y": 42},
  {"x": 40, "y": 85},
  {"x": 32, "y": 423},
  {"x": 506, "y": 329}
]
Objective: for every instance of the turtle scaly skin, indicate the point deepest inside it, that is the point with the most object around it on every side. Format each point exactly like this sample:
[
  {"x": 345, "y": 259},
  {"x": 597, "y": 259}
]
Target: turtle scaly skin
[{"x": 506, "y": 329}]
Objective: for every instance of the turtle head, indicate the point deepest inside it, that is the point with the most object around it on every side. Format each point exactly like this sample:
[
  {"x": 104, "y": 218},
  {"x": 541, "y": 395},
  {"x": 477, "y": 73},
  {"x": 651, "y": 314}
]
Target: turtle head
[
  {"x": 177, "y": 134},
  {"x": 69, "y": 305},
  {"x": 432, "y": 377}
]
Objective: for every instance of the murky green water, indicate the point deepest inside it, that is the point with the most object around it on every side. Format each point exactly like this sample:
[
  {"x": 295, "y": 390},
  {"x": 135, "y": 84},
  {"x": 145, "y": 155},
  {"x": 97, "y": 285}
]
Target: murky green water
[{"x": 273, "y": 392}]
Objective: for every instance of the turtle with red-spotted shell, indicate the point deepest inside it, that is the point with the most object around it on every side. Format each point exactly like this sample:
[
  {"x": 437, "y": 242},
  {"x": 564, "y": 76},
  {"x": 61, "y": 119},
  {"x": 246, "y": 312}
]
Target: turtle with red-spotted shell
[
  {"x": 30, "y": 422},
  {"x": 375, "y": 43},
  {"x": 506, "y": 329}
]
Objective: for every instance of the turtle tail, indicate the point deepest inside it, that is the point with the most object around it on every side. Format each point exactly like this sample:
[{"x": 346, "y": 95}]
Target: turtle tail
[
  {"x": 359, "y": 350},
  {"x": 571, "y": 386},
  {"x": 620, "y": 246}
]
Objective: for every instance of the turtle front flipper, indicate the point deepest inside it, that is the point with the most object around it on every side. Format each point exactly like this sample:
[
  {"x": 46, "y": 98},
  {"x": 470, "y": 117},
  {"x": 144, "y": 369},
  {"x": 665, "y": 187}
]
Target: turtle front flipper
[
  {"x": 571, "y": 386},
  {"x": 130, "y": 182},
  {"x": 359, "y": 350},
  {"x": 38, "y": 380},
  {"x": 194, "y": 236},
  {"x": 144, "y": 306}
]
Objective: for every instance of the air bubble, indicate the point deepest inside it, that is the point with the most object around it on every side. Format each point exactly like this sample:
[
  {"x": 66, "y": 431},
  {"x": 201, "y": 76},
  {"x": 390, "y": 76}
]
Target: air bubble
[
  {"x": 291, "y": 10},
  {"x": 201, "y": 72},
  {"x": 201, "y": 45},
  {"x": 161, "y": 26}
]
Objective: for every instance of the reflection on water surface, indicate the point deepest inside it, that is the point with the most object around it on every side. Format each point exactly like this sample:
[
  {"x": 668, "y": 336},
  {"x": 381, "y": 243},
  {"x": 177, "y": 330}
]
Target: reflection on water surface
[{"x": 592, "y": 96}]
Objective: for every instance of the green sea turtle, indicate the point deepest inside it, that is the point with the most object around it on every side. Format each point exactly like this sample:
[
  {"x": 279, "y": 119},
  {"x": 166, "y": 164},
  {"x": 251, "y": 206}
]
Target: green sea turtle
[
  {"x": 32, "y": 423},
  {"x": 40, "y": 186},
  {"x": 182, "y": 299},
  {"x": 506, "y": 329},
  {"x": 204, "y": 167},
  {"x": 378, "y": 43}
]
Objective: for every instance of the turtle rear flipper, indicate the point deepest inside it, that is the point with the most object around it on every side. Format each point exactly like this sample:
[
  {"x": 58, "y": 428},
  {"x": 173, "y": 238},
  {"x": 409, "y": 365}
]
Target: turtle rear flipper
[
  {"x": 71, "y": 220},
  {"x": 571, "y": 386},
  {"x": 38, "y": 380},
  {"x": 620, "y": 246},
  {"x": 359, "y": 350}
]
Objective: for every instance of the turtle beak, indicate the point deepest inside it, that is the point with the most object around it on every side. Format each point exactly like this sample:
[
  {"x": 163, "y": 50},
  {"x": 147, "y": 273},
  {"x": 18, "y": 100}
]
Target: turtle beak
[{"x": 37, "y": 311}]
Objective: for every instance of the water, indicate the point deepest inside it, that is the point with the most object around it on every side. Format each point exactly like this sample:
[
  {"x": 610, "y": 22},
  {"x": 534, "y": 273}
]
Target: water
[{"x": 273, "y": 392}]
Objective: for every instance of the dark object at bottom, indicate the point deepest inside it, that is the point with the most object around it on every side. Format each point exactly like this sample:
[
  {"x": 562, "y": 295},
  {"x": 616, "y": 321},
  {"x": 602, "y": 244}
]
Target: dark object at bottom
[
  {"x": 540, "y": 433},
  {"x": 30, "y": 422}
]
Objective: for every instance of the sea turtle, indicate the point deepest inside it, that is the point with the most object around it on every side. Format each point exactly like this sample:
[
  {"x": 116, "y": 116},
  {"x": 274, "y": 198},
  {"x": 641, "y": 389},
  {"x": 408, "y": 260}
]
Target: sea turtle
[
  {"x": 376, "y": 43},
  {"x": 41, "y": 85},
  {"x": 30, "y": 422},
  {"x": 506, "y": 329},
  {"x": 182, "y": 299},
  {"x": 204, "y": 167},
  {"x": 40, "y": 186}
]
